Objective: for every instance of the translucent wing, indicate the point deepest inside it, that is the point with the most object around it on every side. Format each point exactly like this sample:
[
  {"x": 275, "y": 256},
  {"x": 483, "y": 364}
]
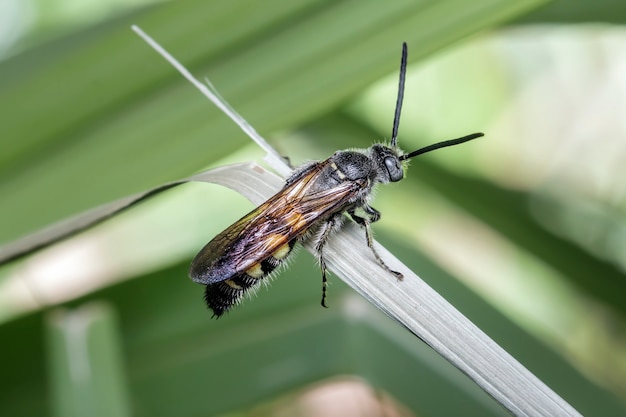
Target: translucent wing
[{"x": 282, "y": 218}]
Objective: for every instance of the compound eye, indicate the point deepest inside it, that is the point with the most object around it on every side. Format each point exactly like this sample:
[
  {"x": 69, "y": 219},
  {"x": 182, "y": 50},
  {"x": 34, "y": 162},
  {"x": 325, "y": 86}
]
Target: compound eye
[{"x": 394, "y": 168}]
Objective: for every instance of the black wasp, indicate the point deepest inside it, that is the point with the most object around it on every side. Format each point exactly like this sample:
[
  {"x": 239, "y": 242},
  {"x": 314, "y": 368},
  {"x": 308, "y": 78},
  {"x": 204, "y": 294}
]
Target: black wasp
[{"x": 311, "y": 205}]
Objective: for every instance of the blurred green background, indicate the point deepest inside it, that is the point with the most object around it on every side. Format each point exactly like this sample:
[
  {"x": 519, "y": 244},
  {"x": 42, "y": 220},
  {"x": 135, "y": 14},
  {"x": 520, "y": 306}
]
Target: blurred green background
[{"x": 523, "y": 230}]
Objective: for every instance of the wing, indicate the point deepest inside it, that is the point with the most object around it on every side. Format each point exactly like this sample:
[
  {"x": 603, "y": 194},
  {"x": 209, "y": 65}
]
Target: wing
[{"x": 282, "y": 218}]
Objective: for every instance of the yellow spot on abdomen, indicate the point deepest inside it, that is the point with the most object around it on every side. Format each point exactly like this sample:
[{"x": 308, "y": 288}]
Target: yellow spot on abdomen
[
  {"x": 255, "y": 271},
  {"x": 282, "y": 251},
  {"x": 233, "y": 285}
]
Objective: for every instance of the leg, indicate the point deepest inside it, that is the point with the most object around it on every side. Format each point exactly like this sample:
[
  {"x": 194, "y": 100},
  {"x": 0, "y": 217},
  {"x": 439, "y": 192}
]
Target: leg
[
  {"x": 323, "y": 234},
  {"x": 287, "y": 160},
  {"x": 370, "y": 244},
  {"x": 374, "y": 215},
  {"x": 372, "y": 212}
]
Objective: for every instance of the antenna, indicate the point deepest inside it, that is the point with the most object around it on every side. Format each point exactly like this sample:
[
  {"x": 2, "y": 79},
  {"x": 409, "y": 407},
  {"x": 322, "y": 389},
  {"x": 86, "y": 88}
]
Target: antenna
[
  {"x": 396, "y": 118},
  {"x": 443, "y": 144}
]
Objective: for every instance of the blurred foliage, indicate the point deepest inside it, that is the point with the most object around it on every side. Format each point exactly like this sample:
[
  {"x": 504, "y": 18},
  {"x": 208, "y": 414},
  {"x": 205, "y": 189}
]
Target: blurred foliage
[
  {"x": 91, "y": 114},
  {"x": 577, "y": 11}
]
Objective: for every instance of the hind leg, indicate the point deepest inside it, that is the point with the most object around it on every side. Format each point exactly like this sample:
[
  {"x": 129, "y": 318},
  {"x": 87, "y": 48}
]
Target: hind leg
[{"x": 320, "y": 241}]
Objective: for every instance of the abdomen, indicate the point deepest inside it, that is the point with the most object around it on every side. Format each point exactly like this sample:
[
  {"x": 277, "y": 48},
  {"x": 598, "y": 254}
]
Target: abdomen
[{"x": 221, "y": 296}]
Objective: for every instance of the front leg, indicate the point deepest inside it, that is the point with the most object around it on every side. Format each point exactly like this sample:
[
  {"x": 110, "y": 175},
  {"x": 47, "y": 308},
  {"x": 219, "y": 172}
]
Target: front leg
[{"x": 372, "y": 213}]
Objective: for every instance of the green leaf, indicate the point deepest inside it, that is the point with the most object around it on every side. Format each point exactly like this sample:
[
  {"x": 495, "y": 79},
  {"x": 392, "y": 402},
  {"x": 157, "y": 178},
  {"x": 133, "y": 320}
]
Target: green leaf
[
  {"x": 98, "y": 115},
  {"x": 577, "y": 11},
  {"x": 86, "y": 367}
]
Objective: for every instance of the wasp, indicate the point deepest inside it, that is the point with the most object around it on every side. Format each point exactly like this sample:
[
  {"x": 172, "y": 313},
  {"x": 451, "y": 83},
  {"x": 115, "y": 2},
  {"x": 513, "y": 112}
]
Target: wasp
[{"x": 312, "y": 205}]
